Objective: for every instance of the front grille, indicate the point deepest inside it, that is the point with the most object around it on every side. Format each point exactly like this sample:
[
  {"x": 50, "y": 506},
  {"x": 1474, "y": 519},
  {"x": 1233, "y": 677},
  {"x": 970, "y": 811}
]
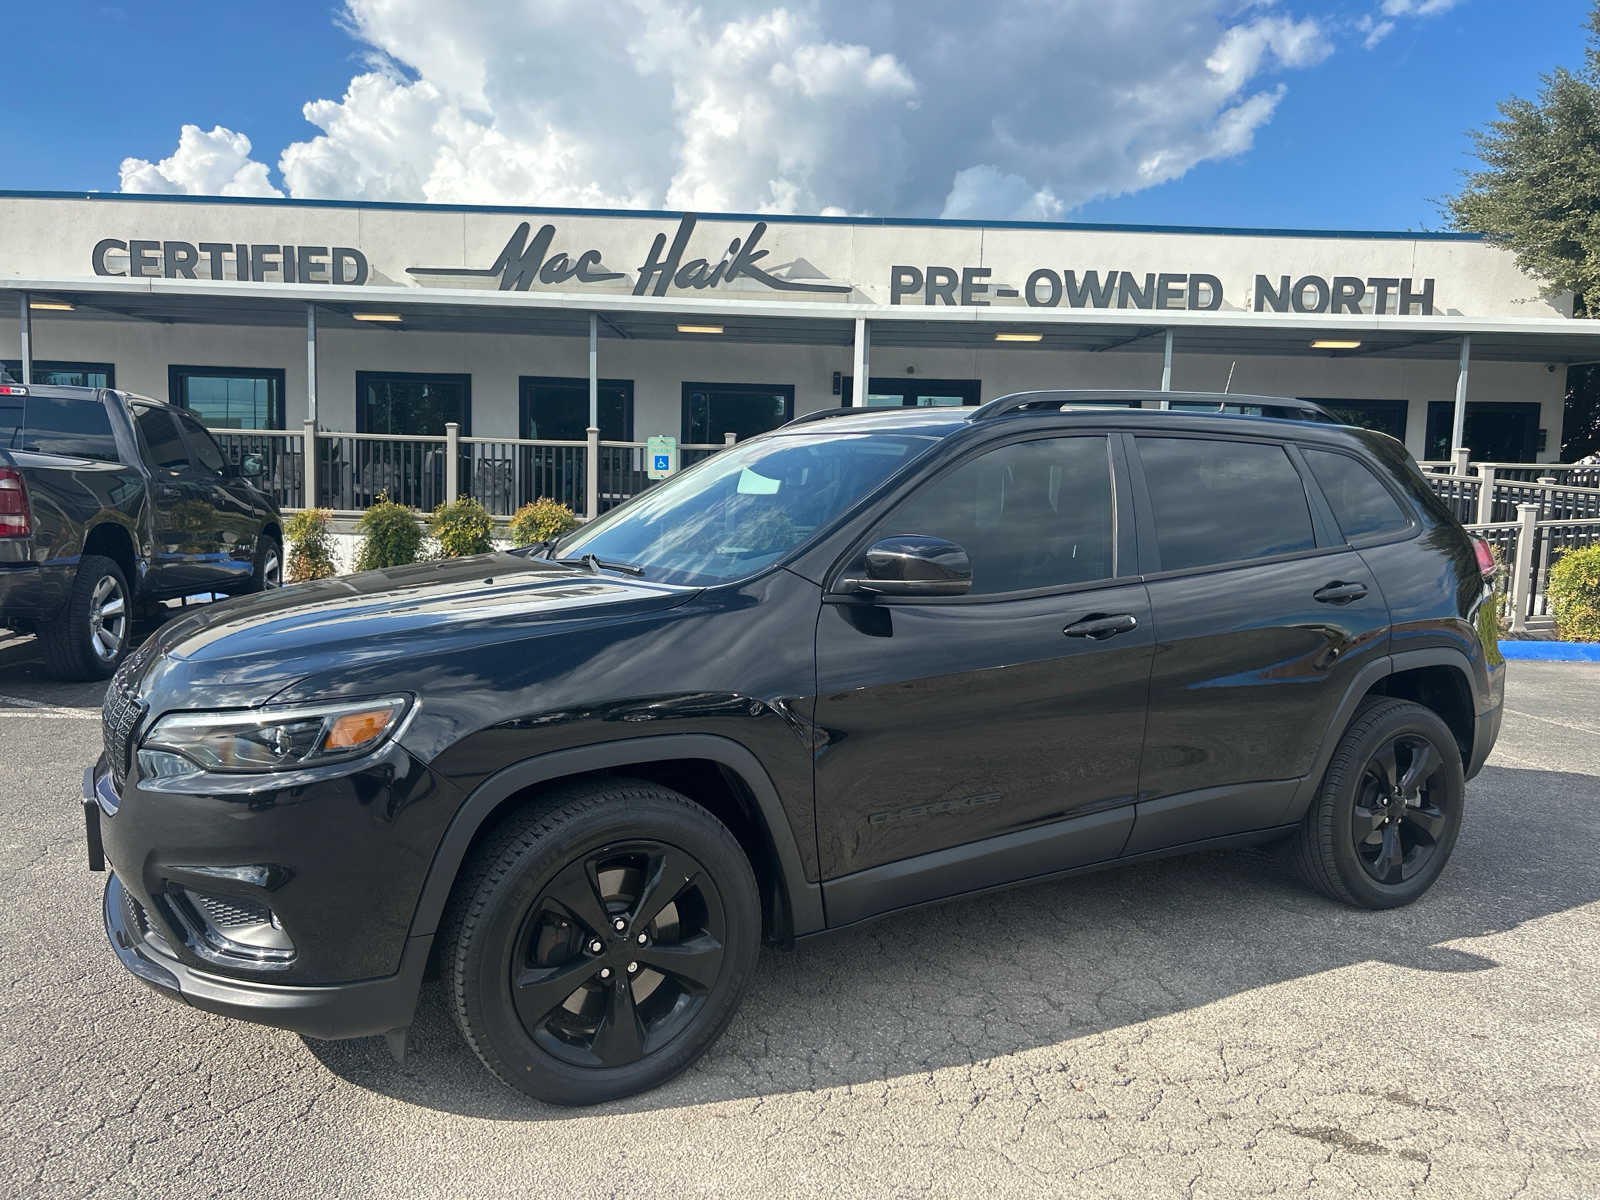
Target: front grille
[
  {"x": 231, "y": 914},
  {"x": 118, "y": 720}
]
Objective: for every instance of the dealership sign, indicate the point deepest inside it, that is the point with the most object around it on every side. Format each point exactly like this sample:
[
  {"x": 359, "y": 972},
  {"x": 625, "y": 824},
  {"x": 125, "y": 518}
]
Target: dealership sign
[{"x": 540, "y": 259}]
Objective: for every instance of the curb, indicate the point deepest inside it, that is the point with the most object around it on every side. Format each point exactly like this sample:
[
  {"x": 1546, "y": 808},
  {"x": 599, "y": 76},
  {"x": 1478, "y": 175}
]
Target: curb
[{"x": 1552, "y": 651}]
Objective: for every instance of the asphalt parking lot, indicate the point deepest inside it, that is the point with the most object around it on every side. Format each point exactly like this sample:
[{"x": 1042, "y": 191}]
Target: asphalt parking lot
[{"x": 1199, "y": 1027}]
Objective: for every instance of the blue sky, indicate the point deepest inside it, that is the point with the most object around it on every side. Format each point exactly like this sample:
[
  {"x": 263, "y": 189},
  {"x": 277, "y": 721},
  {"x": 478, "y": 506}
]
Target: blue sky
[{"x": 1358, "y": 138}]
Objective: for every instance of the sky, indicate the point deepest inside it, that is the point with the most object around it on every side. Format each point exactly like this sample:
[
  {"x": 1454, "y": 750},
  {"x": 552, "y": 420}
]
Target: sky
[{"x": 1339, "y": 114}]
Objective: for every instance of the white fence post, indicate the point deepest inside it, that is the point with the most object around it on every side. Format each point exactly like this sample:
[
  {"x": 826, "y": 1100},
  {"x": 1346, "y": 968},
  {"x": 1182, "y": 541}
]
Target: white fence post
[
  {"x": 1485, "y": 494},
  {"x": 452, "y": 461},
  {"x": 591, "y": 472},
  {"x": 1522, "y": 572},
  {"x": 310, "y": 456},
  {"x": 1463, "y": 457},
  {"x": 729, "y": 438}
]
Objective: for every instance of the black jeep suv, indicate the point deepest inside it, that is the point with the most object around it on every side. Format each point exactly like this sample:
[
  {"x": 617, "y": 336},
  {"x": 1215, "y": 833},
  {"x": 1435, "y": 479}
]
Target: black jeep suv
[{"x": 870, "y": 660}]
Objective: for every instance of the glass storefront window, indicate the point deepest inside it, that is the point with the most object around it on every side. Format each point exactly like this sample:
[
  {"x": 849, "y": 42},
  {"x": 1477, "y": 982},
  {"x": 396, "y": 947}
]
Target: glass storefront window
[
  {"x": 414, "y": 403},
  {"x": 711, "y": 411},
  {"x": 229, "y": 397},
  {"x": 557, "y": 409},
  {"x": 64, "y": 374}
]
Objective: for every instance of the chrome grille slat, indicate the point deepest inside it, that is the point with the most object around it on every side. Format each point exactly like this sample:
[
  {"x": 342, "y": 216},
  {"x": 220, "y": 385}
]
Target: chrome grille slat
[{"x": 119, "y": 718}]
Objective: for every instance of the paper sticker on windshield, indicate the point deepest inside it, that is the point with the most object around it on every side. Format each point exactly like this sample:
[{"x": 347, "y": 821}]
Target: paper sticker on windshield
[{"x": 754, "y": 484}]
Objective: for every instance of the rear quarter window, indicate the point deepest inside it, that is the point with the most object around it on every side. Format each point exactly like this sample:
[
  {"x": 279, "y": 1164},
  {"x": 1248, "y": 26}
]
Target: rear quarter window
[
  {"x": 73, "y": 427},
  {"x": 1361, "y": 504}
]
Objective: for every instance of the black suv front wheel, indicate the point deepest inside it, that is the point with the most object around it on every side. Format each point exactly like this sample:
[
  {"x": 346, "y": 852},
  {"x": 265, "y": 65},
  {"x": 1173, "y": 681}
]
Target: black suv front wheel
[
  {"x": 599, "y": 942},
  {"x": 1386, "y": 818}
]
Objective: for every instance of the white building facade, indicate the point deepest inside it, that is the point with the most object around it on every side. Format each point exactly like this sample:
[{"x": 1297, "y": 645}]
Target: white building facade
[{"x": 538, "y": 323}]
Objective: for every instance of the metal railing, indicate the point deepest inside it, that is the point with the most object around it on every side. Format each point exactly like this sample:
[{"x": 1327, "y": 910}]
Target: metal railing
[
  {"x": 1527, "y": 548},
  {"x": 624, "y": 468},
  {"x": 503, "y": 474},
  {"x": 281, "y": 455}
]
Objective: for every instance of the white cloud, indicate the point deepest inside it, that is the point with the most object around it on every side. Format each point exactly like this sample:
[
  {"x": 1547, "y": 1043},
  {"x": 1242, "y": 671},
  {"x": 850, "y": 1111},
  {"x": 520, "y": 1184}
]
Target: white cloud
[
  {"x": 205, "y": 164},
  {"x": 1380, "y": 25},
  {"x": 1015, "y": 108}
]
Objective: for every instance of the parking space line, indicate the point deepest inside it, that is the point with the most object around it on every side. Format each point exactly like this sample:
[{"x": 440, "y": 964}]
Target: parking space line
[
  {"x": 1548, "y": 721},
  {"x": 34, "y": 708}
]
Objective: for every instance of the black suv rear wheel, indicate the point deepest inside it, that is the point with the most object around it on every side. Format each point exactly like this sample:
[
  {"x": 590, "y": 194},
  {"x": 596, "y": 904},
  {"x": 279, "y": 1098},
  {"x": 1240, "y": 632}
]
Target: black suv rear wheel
[
  {"x": 598, "y": 943},
  {"x": 1387, "y": 816}
]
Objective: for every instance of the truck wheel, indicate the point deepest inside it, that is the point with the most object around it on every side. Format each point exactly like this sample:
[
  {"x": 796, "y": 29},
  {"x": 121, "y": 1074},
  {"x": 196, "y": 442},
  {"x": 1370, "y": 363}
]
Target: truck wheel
[
  {"x": 93, "y": 632},
  {"x": 266, "y": 573},
  {"x": 1390, "y": 807},
  {"x": 600, "y": 941}
]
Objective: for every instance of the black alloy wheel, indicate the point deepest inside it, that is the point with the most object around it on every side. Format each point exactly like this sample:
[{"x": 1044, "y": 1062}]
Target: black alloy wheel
[
  {"x": 599, "y": 940},
  {"x": 618, "y": 954},
  {"x": 1382, "y": 825},
  {"x": 1396, "y": 819}
]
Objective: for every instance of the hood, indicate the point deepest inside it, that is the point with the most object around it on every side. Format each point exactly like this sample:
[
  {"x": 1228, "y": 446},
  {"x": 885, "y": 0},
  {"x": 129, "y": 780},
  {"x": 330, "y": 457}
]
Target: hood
[{"x": 241, "y": 652}]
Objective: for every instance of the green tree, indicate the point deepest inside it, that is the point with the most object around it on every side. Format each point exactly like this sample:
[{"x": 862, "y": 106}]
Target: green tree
[{"x": 1539, "y": 190}]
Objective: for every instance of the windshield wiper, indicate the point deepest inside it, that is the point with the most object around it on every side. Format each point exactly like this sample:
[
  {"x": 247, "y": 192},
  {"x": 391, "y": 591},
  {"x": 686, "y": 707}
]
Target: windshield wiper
[{"x": 593, "y": 565}]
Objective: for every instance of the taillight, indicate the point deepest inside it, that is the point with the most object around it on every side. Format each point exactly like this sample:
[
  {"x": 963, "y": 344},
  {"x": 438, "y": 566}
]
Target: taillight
[
  {"x": 1486, "y": 563},
  {"x": 13, "y": 504}
]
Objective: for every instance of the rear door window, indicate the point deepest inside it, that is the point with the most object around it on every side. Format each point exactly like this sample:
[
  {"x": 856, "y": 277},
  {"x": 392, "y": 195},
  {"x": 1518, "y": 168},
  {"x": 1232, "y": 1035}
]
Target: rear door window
[
  {"x": 1361, "y": 504},
  {"x": 1219, "y": 501},
  {"x": 74, "y": 427},
  {"x": 163, "y": 444}
]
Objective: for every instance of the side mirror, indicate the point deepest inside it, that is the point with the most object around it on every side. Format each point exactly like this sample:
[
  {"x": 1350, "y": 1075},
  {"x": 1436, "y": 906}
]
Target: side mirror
[
  {"x": 913, "y": 565},
  {"x": 250, "y": 467}
]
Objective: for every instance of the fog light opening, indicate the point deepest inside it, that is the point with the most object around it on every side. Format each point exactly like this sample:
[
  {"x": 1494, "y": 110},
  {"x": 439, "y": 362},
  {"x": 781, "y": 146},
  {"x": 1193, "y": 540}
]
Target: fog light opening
[{"x": 234, "y": 930}]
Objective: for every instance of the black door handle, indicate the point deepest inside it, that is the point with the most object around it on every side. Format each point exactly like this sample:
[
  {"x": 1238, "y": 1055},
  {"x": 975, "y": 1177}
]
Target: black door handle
[
  {"x": 1099, "y": 627},
  {"x": 1339, "y": 593}
]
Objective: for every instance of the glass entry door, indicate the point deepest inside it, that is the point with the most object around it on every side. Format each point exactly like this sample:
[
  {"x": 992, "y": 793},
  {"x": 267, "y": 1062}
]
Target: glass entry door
[
  {"x": 914, "y": 393},
  {"x": 1495, "y": 431},
  {"x": 711, "y": 411}
]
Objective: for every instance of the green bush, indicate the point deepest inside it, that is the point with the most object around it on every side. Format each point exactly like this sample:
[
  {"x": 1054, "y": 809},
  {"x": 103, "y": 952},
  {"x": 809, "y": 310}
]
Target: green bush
[
  {"x": 391, "y": 535},
  {"x": 541, "y": 521},
  {"x": 310, "y": 546},
  {"x": 461, "y": 528},
  {"x": 1574, "y": 591}
]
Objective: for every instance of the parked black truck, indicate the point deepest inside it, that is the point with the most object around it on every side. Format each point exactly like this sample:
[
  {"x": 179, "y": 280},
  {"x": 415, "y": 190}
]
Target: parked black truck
[{"x": 109, "y": 501}]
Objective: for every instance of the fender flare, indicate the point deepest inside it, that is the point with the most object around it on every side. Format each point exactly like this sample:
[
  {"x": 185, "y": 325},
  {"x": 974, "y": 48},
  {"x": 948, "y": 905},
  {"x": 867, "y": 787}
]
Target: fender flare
[
  {"x": 802, "y": 898},
  {"x": 1374, "y": 672}
]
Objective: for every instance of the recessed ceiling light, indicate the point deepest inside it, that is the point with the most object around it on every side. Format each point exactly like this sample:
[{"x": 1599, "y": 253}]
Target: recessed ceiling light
[
  {"x": 1328, "y": 344},
  {"x": 1018, "y": 337},
  {"x": 51, "y": 305},
  {"x": 391, "y": 317},
  {"x": 699, "y": 328}
]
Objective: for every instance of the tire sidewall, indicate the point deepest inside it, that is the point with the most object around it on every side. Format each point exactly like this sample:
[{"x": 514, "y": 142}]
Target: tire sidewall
[
  {"x": 513, "y": 1054},
  {"x": 1353, "y": 757},
  {"x": 91, "y": 570}
]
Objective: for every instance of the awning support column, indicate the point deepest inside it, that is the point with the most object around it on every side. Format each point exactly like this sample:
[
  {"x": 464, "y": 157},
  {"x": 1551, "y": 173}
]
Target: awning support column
[
  {"x": 591, "y": 469},
  {"x": 25, "y": 328},
  {"x": 1166, "y": 366},
  {"x": 311, "y": 362},
  {"x": 862, "y": 364},
  {"x": 1458, "y": 427}
]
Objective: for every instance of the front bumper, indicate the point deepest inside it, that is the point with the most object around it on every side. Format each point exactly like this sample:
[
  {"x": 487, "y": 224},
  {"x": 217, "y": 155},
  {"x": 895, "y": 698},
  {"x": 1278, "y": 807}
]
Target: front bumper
[{"x": 345, "y": 1010}]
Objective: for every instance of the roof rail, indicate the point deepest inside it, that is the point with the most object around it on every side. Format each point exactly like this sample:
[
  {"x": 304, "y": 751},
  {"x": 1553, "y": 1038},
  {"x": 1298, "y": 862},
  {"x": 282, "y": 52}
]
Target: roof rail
[
  {"x": 1057, "y": 399},
  {"x": 821, "y": 415},
  {"x": 1018, "y": 401}
]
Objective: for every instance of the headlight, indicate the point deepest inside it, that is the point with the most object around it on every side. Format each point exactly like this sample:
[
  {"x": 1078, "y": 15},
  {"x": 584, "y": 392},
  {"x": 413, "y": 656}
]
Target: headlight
[{"x": 268, "y": 739}]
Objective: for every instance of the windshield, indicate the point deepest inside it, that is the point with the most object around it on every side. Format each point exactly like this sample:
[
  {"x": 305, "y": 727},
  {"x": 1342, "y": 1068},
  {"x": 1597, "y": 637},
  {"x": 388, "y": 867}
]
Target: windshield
[{"x": 744, "y": 508}]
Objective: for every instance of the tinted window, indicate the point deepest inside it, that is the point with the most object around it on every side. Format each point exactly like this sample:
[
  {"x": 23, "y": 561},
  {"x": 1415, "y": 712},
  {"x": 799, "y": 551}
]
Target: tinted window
[
  {"x": 1029, "y": 515},
  {"x": 75, "y": 427},
  {"x": 204, "y": 454},
  {"x": 229, "y": 397},
  {"x": 162, "y": 443},
  {"x": 1222, "y": 502},
  {"x": 1361, "y": 504}
]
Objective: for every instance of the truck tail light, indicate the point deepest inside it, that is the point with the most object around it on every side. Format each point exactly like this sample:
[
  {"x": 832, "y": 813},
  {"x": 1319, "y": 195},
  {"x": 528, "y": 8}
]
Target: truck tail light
[
  {"x": 14, "y": 522},
  {"x": 1486, "y": 564}
]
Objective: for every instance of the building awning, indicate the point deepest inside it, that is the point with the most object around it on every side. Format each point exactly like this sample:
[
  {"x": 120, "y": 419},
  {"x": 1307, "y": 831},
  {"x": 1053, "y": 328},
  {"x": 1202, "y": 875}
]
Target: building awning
[{"x": 554, "y": 314}]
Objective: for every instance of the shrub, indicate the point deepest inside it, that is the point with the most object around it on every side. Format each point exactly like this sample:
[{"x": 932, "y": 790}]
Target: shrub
[
  {"x": 391, "y": 535},
  {"x": 310, "y": 546},
  {"x": 1574, "y": 591},
  {"x": 461, "y": 528},
  {"x": 541, "y": 521}
]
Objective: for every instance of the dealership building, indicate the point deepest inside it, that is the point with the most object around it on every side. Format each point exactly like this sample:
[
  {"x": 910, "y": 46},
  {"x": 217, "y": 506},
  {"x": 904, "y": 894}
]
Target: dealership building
[{"x": 539, "y": 324}]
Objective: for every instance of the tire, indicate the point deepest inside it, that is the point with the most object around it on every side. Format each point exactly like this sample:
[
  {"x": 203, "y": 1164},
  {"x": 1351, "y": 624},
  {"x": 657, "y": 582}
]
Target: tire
[
  {"x": 92, "y": 635},
  {"x": 266, "y": 572},
  {"x": 1358, "y": 842},
  {"x": 547, "y": 888}
]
